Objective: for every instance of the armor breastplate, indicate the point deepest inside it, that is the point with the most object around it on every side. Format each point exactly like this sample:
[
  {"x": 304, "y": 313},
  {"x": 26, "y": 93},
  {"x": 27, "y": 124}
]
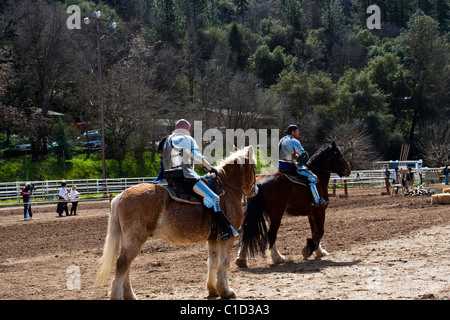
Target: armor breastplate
[
  {"x": 177, "y": 155},
  {"x": 289, "y": 149}
]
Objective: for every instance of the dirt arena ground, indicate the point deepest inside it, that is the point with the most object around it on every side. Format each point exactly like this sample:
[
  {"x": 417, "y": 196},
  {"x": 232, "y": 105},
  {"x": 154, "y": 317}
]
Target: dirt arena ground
[{"x": 380, "y": 247}]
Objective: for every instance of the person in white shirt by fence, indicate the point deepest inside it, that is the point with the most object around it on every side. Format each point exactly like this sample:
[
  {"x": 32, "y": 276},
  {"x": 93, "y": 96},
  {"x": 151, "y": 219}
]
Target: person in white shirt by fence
[
  {"x": 74, "y": 195},
  {"x": 62, "y": 203}
]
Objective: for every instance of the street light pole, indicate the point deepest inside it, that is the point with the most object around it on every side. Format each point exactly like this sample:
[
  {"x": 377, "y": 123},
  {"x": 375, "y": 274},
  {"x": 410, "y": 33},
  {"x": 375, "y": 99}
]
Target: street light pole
[
  {"x": 99, "y": 35},
  {"x": 102, "y": 116}
]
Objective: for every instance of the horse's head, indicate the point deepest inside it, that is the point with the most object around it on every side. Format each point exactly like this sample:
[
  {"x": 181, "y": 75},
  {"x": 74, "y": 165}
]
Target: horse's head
[
  {"x": 240, "y": 171},
  {"x": 337, "y": 163},
  {"x": 329, "y": 159},
  {"x": 249, "y": 182}
]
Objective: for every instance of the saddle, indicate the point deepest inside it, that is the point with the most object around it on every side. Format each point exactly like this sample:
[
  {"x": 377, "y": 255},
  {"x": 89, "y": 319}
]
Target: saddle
[
  {"x": 178, "y": 193},
  {"x": 294, "y": 177}
]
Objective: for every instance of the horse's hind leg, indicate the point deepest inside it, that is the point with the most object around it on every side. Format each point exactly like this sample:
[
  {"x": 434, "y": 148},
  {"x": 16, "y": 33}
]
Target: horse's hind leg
[
  {"x": 121, "y": 286},
  {"x": 241, "y": 260},
  {"x": 128, "y": 293},
  {"x": 275, "y": 222}
]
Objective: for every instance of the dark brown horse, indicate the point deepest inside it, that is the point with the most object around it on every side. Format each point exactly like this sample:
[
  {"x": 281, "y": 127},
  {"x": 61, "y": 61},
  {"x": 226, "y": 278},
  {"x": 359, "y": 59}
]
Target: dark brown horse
[{"x": 278, "y": 196}]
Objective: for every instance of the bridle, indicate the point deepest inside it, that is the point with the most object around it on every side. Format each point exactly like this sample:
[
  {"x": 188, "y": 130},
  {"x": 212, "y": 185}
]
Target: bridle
[
  {"x": 254, "y": 187},
  {"x": 315, "y": 168},
  {"x": 339, "y": 158}
]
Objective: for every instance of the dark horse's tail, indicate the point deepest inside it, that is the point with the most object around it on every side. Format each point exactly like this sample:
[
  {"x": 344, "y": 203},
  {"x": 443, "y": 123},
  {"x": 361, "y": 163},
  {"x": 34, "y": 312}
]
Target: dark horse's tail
[{"x": 254, "y": 236}]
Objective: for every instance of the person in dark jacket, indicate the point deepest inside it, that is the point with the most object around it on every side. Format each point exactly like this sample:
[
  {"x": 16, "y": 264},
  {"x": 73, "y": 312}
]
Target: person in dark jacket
[{"x": 26, "y": 195}]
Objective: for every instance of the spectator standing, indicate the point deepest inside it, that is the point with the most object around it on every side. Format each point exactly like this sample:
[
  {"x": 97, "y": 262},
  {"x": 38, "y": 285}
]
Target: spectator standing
[
  {"x": 446, "y": 172},
  {"x": 409, "y": 177},
  {"x": 26, "y": 195},
  {"x": 62, "y": 202},
  {"x": 387, "y": 173},
  {"x": 74, "y": 195},
  {"x": 396, "y": 179}
]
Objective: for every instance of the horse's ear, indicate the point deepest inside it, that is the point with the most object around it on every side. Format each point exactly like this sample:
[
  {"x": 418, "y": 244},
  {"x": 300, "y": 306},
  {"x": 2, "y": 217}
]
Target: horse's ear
[
  {"x": 333, "y": 145},
  {"x": 250, "y": 151}
]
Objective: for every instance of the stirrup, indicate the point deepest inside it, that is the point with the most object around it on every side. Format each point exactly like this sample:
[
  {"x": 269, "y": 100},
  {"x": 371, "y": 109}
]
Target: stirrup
[
  {"x": 322, "y": 203},
  {"x": 231, "y": 233}
]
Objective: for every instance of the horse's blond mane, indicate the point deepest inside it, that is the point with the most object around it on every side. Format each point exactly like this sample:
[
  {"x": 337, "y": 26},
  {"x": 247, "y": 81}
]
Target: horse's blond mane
[{"x": 239, "y": 157}]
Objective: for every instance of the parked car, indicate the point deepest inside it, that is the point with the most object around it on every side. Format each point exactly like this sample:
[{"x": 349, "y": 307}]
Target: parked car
[
  {"x": 93, "y": 144},
  {"x": 26, "y": 146},
  {"x": 55, "y": 144},
  {"x": 90, "y": 134}
]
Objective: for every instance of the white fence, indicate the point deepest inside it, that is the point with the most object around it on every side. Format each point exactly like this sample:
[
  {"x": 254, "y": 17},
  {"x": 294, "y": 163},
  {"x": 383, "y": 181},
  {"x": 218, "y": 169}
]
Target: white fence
[
  {"x": 47, "y": 191},
  {"x": 370, "y": 178}
]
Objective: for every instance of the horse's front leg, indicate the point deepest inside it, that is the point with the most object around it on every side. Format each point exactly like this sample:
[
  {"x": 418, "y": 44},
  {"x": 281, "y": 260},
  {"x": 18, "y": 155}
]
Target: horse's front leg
[
  {"x": 224, "y": 290},
  {"x": 320, "y": 252},
  {"x": 211, "y": 282},
  {"x": 316, "y": 222}
]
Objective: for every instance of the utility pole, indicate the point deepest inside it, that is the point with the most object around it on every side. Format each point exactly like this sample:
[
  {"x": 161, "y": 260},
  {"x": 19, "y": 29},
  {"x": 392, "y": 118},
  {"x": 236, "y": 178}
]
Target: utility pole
[{"x": 100, "y": 34}]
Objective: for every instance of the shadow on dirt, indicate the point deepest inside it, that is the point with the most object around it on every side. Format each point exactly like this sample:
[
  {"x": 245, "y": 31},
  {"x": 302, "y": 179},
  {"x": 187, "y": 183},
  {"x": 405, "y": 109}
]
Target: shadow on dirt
[{"x": 303, "y": 267}]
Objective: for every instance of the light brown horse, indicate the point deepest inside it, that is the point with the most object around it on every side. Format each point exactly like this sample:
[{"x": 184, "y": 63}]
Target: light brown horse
[{"x": 147, "y": 209}]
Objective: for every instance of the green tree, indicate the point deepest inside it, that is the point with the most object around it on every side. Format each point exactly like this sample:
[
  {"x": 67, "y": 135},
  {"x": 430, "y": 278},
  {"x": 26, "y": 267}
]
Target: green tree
[
  {"x": 442, "y": 14},
  {"x": 395, "y": 81},
  {"x": 306, "y": 92},
  {"x": 268, "y": 65},
  {"x": 241, "y": 8},
  {"x": 358, "y": 96},
  {"x": 239, "y": 48},
  {"x": 62, "y": 148},
  {"x": 294, "y": 16},
  {"x": 427, "y": 56},
  {"x": 333, "y": 26},
  {"x": 332, "y": 17},
  {"x": 168, "y": 22},
  {"x": 392, "y": 12}
]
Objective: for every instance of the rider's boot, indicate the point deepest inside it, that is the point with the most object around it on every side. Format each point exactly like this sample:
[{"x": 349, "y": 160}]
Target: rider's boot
[
  {"x": 318, "y": 200},
  {"x": 226, "y": 229},
  {"x": 211, "y": 201}
]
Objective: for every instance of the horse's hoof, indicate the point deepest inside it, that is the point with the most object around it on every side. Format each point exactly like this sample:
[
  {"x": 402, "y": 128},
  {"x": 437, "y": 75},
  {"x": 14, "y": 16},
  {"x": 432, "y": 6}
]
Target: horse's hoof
[
  {"x": 212, "y": 291},
  {"x": 279, "y": 259},
  {"x": 228, "y": 294},
  {"x": 306, "y": 252},
  {"x": 241, "y": 263},
  {"x": 319, "y": 253},
  {"x": 212, "y": 295}
]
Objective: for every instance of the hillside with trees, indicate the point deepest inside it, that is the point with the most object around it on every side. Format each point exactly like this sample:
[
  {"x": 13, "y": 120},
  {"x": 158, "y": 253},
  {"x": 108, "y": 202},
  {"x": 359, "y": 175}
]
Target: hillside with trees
[{"x": 231, "y": 64}]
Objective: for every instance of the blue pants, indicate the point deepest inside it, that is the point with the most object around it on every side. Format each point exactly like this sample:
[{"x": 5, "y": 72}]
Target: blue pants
[
  {"x": 446, "y": 179},
  {"x": 27, "y": 208}
]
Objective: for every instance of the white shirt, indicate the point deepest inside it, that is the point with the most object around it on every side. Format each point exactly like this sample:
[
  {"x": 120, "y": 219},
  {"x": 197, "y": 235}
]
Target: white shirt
[
  {"x": 73, "y": 195},
  {"x": 63, "y": 193}
]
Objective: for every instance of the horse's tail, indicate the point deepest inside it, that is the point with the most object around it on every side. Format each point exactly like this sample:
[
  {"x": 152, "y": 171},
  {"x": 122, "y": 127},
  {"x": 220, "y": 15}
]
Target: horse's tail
[
  {"x": 112, "y": 243},
  {"x": 254, "y": 236}
]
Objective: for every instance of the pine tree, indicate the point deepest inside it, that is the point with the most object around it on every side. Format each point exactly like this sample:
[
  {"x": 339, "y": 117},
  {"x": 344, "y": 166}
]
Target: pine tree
[
  {"x": 241, "y": 8},
  {"x": 239, "y": 48},
  {"x": 442, "y": 14},
  {"x": 294, "y": 16}
]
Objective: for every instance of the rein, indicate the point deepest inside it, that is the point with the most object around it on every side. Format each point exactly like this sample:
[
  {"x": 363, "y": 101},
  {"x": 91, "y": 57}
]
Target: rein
[
  {"x": 238, "y": 189},
  {"x": 318, "y": 169}
]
